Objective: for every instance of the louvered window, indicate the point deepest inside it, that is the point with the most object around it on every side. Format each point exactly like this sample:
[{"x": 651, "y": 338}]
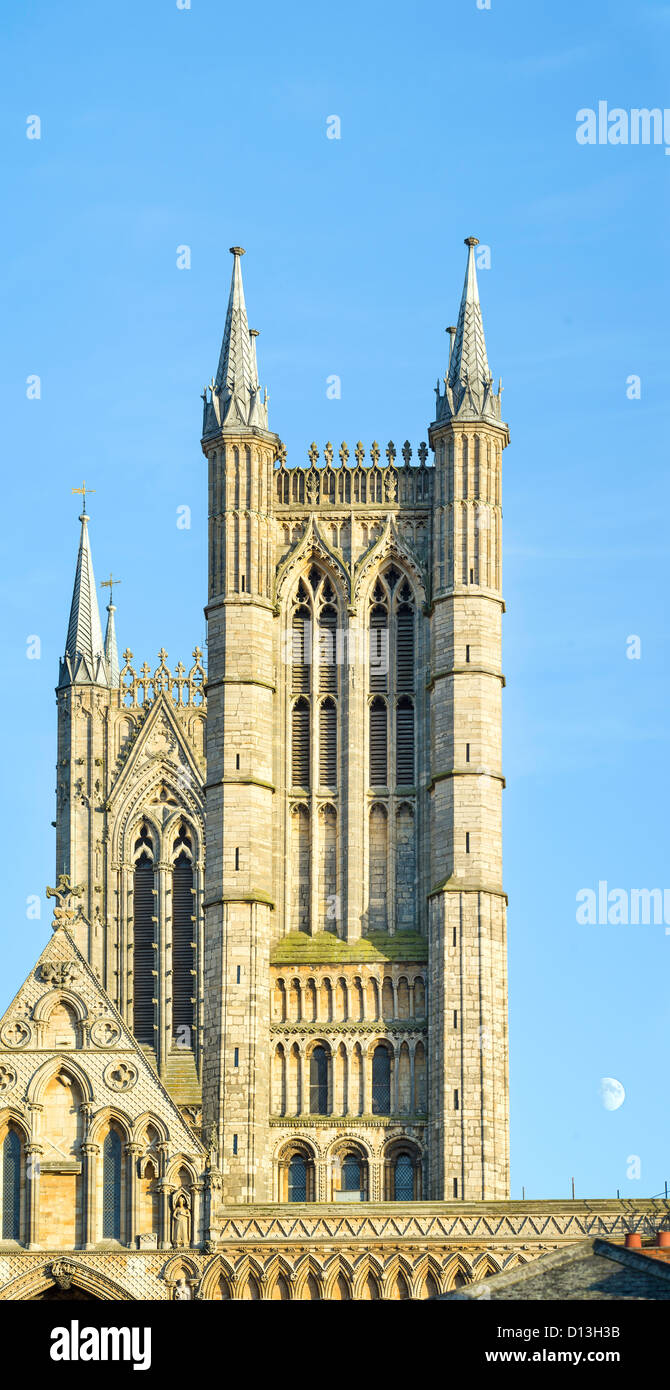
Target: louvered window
[
  {"x": 300, "y": 744},
  {"x": 328, "y": 649},
  {"x": 379, "y": 648},
  {"x": 378, "y": 744},
  {"x": 183, "y": 930},
  {"x": 318, "y": 1082},
  {"x": 301, "y": 649},
  {"x": 404, "y": 747},
  {"x": 111, "y": 1186},
  {"x": 143, "y": 951},
  {"x": 328, "y": 744},
  {"x": 381, "y": 1082},
  {"x": 405, "y": 649},
  {"x": 11, "y": 1186}
]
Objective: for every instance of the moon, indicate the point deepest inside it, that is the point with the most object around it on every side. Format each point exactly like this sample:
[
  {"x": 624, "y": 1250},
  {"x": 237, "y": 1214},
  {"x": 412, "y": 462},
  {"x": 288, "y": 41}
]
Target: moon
[{"x": 612, "y": 1093}]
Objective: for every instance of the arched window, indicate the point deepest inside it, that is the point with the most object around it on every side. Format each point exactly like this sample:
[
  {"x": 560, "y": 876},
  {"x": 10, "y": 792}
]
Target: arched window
[
  {"x": 111, "y": 1186},
  {"x": 381, "y": 1081},
  {"x": 328, "y": 744},
  {"x": 403, "y": 1179},
  {"x": 300, "y": 744},
  {"x": 183, "y": 930},
  {"x": 144, "y": 963},
  {"x": 353, "y": 1177},
  {"x": 11, "y": 1186},
  {"x": 404, "y": 745},
  {"x": 297, "y": 1178},
  {"x": 378, "y": 743},
  {"x": 318, "y": 1081}
]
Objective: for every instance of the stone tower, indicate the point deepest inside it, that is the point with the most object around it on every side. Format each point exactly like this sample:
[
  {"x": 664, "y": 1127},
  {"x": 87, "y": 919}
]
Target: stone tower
[
  {"x": 130, "y": 831},
  {"x": 355, "y": 968},
  {"x": 468, "y": 954},
  {"x": 239, "y": 874}
]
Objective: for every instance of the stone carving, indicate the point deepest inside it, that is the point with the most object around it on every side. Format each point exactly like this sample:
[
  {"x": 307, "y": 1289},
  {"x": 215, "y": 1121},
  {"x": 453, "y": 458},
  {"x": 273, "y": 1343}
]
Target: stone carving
[
  {"x": 105, "y": 1032},
  {"x": 120, "y": 1076},
  {"x": 64, "y": 892},
  {"x": 59, "y": 972},
  {"x": 181, "y": 1220},
  {"x": 15, "y": 1033},
  {"x": 182, "y": 1291},
  {"x": 63, "y": 1272},
  {"x": 7, "y": 1079}
]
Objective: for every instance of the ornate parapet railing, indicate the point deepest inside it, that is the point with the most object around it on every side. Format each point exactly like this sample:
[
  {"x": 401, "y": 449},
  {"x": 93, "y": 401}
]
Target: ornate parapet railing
[
  {"x": 342, "y": 483},
  {"x": 186, "y": 689}
]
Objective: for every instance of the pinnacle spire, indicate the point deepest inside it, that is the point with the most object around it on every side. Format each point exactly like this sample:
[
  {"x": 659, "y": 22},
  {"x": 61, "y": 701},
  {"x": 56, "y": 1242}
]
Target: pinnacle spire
[
  {"x": 235, "y": 393},
  {"x": 84, "y": 651},
  {"x": 111, "y": 649},
  {"x": 468, "y": 390}
]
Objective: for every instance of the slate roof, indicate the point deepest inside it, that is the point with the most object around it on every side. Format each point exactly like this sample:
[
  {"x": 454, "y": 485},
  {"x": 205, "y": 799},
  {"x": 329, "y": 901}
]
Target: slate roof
[{"x": 593, "y": 1269}]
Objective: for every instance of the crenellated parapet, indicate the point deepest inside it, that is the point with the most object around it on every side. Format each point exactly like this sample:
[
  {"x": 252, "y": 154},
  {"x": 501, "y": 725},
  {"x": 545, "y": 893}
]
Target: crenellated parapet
[{"x": 354, "y": 477}]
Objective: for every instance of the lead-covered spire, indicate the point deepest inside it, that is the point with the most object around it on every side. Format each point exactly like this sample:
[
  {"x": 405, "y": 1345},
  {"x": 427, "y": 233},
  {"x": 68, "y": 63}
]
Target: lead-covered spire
[
  {"x": 233, "y": 398},
  {"x": 84, "y": 651},
  {"x": 468, "y": 384}
]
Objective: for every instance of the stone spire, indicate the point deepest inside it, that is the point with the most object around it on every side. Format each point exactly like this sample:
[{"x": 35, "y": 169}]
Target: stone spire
[
  {"x": 84, "y": 651},
  {"x": 111, "y": 649},
  {"x": 233, "y": 398},
  {"x": 468, "y": 385}
]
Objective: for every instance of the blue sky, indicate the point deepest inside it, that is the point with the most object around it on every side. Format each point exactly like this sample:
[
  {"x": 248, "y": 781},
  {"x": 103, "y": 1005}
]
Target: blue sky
[{"x": 206, "y": 127}]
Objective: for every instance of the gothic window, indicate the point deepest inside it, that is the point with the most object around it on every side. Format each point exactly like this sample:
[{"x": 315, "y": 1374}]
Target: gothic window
[
  {"x": 144, "y": 963},
  {"x": 328, "y": 744},
  {"x": 111, "y": 1186},
  {"x": 11, "y": 1186},
  {"x": 300, "y": 744},
  {"x": 318, "y": 1081},
  {"x": 381, "y": 1081},
  {"x": 378, "y": 743},
  {"x": 183, "y": 929}
]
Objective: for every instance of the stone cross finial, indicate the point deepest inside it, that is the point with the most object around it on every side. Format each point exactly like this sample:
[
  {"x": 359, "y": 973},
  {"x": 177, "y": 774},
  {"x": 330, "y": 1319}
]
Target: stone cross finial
[{"x": 64, "y": 892}]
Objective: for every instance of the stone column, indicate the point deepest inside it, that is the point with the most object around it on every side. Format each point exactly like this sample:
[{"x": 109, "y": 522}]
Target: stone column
[
  {"x": 33, "y": 1155},
  {"x": 165, "y": 1190},
  {"x": 133, "y": 1152},
  {"x": 90, "y": 1153}
]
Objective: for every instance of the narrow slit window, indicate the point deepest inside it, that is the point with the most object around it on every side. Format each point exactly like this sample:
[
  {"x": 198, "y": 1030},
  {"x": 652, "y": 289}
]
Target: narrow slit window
[
  {"x": 467, "y": 842},
  {"x": 404, "y": 743},
  {"x": 328, "y": 744}
]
